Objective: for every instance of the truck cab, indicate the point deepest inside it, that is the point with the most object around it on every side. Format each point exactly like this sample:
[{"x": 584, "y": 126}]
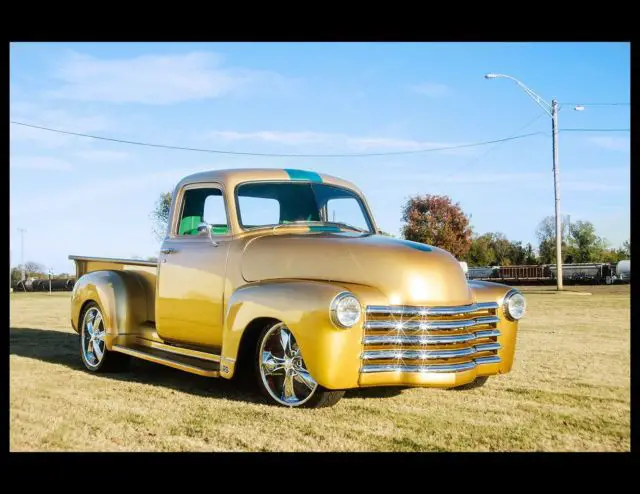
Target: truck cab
[{"x": 282, "y": 273}]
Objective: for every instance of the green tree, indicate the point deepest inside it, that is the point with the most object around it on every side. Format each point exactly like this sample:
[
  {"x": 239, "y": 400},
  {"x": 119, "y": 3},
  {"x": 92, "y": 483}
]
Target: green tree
[
  {"x": 517, "y": 253},
  {"x": 16, "y": 274},
  {"x": 503, "y": 249},
  {"x": 546, "y": 233},
  {"x": 160, "y": 215},
  {"x": 481, "y": 251},
  {"x": 530, "y": 255},
  {"x": 624, "y": 252},
  {"x": 585, "y": 244},
  {"x": 436, "y": 220}
]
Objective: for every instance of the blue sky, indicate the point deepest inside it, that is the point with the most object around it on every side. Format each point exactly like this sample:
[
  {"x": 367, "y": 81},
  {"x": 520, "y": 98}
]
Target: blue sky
[{"x": 82, "y": 196}]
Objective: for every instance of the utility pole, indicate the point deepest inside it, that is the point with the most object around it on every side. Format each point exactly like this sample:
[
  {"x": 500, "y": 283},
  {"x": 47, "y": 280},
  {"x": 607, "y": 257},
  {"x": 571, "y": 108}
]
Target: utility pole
[
  {"x": 22, "y": 232},
  {"x": 556, "y": 188},
  {"x": 552, "y": 111}
]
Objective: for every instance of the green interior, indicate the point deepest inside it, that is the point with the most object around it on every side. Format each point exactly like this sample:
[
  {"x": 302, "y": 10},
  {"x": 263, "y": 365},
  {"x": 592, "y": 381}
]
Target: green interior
[{"x": 189, "y": 226}]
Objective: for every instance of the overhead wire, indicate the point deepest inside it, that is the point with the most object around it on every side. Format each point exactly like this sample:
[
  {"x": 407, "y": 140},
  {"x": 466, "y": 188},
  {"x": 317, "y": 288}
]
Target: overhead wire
[
  {"x": 476, "y": 158},
  {"x": 496, "y": 142},
  {"x": 279, "y": 155}
]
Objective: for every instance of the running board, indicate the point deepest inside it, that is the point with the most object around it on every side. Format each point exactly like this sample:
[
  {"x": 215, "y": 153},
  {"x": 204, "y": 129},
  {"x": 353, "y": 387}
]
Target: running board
[{"x": 203, "y": 367}]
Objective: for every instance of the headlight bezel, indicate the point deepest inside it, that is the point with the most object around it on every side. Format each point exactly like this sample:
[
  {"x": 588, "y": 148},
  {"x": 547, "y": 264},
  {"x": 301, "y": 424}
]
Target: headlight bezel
[
  {"x": 505, "y": 304},
  {"x": 334, "y": 306}
]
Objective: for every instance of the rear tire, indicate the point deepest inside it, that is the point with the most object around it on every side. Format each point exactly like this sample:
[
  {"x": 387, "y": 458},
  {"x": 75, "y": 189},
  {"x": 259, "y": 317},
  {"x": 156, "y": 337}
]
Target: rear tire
[
  {"x": 282, "y": 374},
  {"x": 93, "y": 350},
  {"x": 477, "y": 383}
]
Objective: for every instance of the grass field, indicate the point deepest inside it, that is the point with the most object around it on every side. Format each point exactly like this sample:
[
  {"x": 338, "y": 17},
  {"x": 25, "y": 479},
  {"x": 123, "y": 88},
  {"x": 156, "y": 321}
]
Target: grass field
[{"x": 569, "y": 390}]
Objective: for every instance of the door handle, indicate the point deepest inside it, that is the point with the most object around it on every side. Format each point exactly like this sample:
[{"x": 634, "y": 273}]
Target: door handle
[{"x": 168, "y": 251}]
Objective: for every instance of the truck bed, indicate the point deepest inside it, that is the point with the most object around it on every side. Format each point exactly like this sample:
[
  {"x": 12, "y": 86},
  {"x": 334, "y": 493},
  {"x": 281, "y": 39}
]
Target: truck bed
[
  {"x": 144, "y": 271},
  {"x": 86, "y": 264}
]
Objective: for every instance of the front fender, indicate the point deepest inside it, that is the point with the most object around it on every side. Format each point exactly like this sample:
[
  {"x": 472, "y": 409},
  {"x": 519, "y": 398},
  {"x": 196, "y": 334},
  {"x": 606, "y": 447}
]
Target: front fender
[
  {"x": 121, "y": 297},
  {"x": 332, "y": 355},
  {"x": 487, "y": 291}
]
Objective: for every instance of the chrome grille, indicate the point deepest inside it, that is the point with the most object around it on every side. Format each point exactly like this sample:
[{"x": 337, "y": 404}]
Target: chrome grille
[{"x": 430, "y": 339}]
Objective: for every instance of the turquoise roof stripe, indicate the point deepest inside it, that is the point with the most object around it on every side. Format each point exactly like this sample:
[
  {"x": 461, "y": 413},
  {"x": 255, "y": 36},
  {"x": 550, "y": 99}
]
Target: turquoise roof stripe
[{"x": 303, "y": 175}]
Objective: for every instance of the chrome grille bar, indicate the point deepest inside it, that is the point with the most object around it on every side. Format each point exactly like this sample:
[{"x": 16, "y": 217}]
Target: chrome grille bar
[
  {"x": 405, "y": 310},
  {"x": 459, "y": 367},
  {"x": 431, "y": 325},
  {"x": 429, "y": 340},
  {"x": 429, "y": 354}
]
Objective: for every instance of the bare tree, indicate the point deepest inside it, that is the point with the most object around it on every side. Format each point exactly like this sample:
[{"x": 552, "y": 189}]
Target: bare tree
[{"x": 160, "y": 215}]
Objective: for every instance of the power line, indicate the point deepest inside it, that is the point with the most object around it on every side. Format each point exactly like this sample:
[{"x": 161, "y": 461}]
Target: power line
[
  {"x": 279, "y": 155},
  {"x": 528, "y": 124},
  {"x": 595, "y": 130},
  {"x": 597, "y": 104}
]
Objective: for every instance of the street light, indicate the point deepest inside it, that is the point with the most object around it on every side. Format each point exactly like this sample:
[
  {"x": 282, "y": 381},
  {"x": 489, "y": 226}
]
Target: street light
[{"x": 552, "y": 111}]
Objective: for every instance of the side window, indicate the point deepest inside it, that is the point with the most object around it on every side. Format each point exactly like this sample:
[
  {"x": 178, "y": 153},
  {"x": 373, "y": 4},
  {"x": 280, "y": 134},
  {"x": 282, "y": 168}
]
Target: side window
[
  {"x": 200, "y": 205},
  {"x": 346, "y": 210}
]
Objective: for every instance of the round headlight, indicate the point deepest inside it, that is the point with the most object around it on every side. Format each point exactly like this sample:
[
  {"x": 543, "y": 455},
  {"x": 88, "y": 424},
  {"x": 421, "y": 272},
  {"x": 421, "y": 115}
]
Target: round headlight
[
  {"x": 515, "y": 305},
  {"x": 345, "y": 310}
]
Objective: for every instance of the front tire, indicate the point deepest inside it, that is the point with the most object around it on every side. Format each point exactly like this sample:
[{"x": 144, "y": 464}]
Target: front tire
[
  {"x": 93, "y": 350},
  {"x": 282, "y": 374}
]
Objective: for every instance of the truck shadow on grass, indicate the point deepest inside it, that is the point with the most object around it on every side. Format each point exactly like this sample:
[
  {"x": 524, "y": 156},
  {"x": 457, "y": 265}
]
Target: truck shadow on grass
[{"x": 62, "y": 348}]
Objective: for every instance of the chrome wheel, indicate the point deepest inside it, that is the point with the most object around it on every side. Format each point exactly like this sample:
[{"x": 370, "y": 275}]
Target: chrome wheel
[
  {"x": 282, "y": 369},
  {"x": 93, "y": 332}
]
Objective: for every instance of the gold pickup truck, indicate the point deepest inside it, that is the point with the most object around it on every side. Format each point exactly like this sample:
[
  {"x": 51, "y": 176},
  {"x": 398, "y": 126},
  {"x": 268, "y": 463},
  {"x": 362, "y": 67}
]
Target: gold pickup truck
[{"x": 283, "y": 273}]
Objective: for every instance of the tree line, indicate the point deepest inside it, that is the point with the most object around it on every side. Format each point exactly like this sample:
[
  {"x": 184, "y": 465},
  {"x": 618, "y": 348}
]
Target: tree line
[
  {"x": 33, "y": 270},
  {"x": 436, "y": 220}
]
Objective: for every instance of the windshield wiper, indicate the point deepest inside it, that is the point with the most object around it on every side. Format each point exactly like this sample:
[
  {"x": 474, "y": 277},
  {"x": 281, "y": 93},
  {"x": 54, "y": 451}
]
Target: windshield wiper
[
  {"x": 345, "y": 225},
  {"x": 303, "y": 222}
]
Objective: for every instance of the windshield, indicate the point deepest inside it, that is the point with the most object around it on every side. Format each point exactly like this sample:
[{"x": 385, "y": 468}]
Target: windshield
[{"x": 263, "y": 204}]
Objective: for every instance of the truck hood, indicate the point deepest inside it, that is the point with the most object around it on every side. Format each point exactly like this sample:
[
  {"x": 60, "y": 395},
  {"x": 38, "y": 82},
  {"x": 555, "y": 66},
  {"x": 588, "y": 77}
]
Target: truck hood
[{"x": 406, "y": 272}]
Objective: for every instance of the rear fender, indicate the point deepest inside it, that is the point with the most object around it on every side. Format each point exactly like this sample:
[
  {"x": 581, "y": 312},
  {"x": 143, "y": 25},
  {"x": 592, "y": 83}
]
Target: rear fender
[{"x": 121, "y": 297}]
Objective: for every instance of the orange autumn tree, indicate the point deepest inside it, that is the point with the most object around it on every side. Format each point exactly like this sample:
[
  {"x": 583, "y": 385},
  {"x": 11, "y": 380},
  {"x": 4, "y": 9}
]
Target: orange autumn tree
[{"x": 437, "y": 221}]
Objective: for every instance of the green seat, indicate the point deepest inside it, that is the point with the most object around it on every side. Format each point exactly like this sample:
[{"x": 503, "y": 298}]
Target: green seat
[
  {"x": 189, "y": 226},
  {"x": 219, "y": 229}
]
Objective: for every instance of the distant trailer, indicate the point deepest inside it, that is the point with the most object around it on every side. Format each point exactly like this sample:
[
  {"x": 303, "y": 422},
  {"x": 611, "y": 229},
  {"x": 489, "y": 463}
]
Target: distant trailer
[
  {"x": 523, "y": 272},
  {"x": 623, "y": 271},
  {"x": 585, "y": 272},
  {"x": 482, "y": 273}
]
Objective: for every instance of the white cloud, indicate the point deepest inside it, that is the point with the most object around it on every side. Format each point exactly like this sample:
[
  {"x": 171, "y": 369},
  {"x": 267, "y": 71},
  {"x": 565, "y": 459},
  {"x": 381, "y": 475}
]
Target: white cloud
[
  {"x": 391, "y": 144},
  {"x": 39, "y": 163},
  {"x": 583, "y": 181},
  {"x": 362, "y": 144},
  {"x": 468, "y": 178},
  {"x": 102, "y": 155},
  {"x": 289, "y": 138},
  {"x": 156, "y": 79},
  {"x": 431, "y": 89},
  {"x": 612, "y": 143}
]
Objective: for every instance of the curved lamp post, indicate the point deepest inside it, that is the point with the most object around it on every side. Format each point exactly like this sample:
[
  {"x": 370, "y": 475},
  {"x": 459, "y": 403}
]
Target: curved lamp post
[{"x": 552, "y": 111}]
